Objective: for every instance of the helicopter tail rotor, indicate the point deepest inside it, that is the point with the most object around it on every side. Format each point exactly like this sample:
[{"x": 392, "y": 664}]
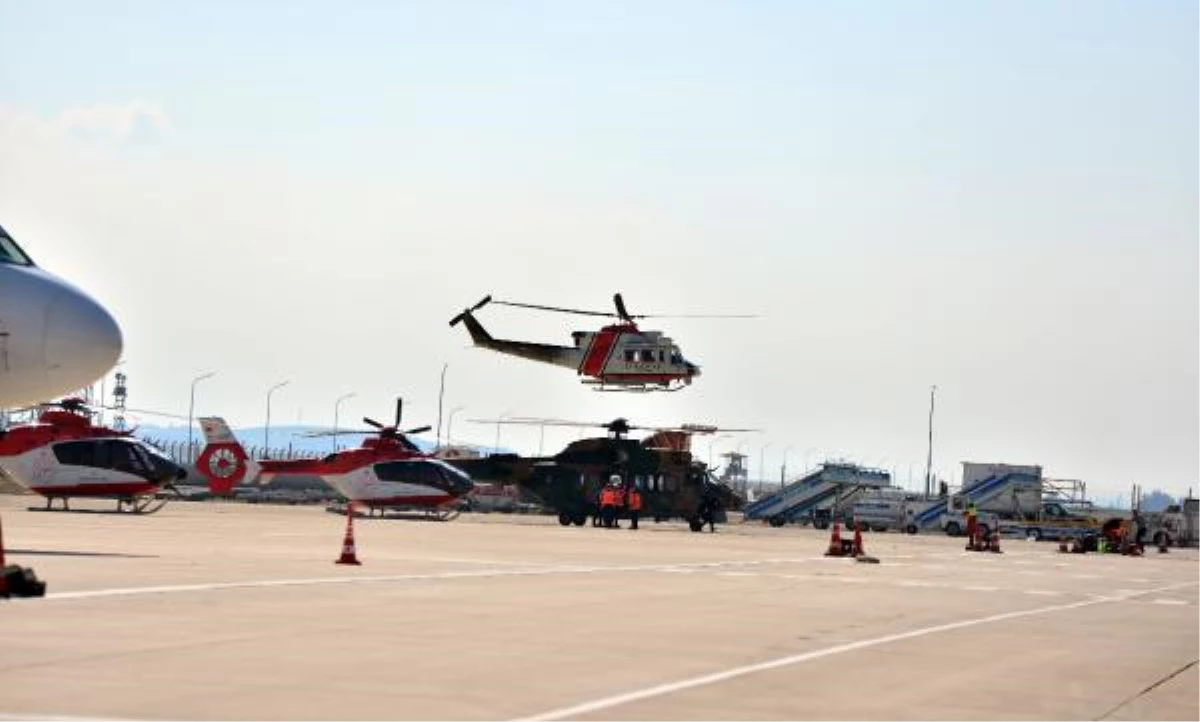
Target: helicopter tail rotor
[{"x": 486, "y": 300}]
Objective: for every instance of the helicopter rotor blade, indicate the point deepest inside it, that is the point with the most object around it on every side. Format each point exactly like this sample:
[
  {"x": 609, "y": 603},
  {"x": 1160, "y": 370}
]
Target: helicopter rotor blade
[
  {"x": 399, "y": 411},
  {"x": 339, "y": 432},
  {"x": 417, "y": 429},
  {"x": 526, "y": 421},
  {"x": 372, "y": 422},
  {"x": 555, "y": 309},
  {"x": 695, "y": 316}
]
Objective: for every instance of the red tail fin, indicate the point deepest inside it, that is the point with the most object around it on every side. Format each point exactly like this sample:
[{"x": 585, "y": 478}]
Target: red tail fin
[{"x": 223, "y": 461}]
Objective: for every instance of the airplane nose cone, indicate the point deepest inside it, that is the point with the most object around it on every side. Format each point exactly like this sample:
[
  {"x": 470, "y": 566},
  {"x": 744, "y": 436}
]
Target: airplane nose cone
[{"x": 82, "y": 340}]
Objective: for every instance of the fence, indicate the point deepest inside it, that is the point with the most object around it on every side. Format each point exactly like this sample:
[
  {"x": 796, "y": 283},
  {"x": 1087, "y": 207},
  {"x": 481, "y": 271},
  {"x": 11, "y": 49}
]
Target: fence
[{"x": 181, "y": 452}]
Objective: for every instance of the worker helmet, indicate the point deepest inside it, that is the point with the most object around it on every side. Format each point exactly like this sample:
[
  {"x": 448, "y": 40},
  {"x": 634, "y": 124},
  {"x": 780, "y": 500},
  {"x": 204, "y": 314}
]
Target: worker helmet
[{"x": 614, "y": 480}]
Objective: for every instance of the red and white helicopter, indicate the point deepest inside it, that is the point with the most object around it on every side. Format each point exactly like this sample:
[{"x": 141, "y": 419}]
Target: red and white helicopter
[
  {"x": 387, "y": 472},
  {"x": 63, "y": 455},
  {"x": 618, "y": 357}
]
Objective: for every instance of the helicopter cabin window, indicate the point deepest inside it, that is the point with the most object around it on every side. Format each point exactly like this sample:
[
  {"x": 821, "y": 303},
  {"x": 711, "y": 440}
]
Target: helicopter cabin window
[
  {"x": 630, "y": 356},
  {"x": 410, "y": 472},
  {"x": 75, "y": 453},
  {"x": 670, "y": 484},
  {"x": 647, "y": 356}
]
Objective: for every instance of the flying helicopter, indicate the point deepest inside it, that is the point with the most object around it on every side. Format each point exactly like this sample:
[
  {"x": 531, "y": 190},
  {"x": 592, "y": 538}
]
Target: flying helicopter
[
  {"x": 387, "y": 472},
  {"x": 618, "y": 357},
  {"x": 63, "y": 455},
  {"x": 661, "y": 466}
]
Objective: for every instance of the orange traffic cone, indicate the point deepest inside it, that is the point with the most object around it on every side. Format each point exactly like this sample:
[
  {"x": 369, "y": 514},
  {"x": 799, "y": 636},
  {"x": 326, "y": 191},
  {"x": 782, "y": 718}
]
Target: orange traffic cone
[
  {"x": 835, "y": 541},
  {"x": 994, "y": 547},
  {"x": 857, "y": 550},
  {"x": 349, "y": 554}
]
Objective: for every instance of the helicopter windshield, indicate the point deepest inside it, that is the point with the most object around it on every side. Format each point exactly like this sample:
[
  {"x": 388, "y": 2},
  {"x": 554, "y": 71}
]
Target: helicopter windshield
[{"x": 10, "y": 252}]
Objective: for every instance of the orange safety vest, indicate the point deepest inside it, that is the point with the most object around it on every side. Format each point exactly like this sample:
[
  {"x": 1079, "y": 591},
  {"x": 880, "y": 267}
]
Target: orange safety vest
[
  {"x": 619, "y": 497},
  {"x": 635, "y": 500},
  {"x": 606, "y": 497}
]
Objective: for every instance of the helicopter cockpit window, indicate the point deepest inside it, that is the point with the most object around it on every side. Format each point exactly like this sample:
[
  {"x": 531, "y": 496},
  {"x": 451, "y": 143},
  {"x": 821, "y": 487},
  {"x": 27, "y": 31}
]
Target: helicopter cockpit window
[
  {"x": 125, "y": 458},
  {"x": 676, "y": 357},
  {"x": 10, "y": 252},
  {"x": 647, "y": 356}
]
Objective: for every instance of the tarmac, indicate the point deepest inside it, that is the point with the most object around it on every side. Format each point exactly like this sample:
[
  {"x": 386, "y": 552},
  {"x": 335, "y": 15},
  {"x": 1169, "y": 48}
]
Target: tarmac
[{"x": 232, "y": 611}]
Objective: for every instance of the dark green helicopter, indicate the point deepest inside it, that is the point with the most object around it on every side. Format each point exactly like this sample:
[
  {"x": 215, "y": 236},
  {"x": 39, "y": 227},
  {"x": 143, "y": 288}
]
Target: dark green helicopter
[{"x": 673, "y": 484}]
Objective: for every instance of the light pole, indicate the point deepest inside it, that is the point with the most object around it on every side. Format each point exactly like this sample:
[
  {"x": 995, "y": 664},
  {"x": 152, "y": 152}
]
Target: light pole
[
  {"x": 762, "y": 466},
  {"x": 450, "y": 425},
  {"x": 713, "y": 443},
  {"x": 441, "y": 393},
  {"x": 496, "y": 448},
  {"x": 783, "y": 466},
  {"x": 192, "y": 406},
  {"x": 267, "y": 429},
  {"x": 806, "y": 454},
  {"x": 929, "y": 458},
  {"x": 336, "y": 404}
]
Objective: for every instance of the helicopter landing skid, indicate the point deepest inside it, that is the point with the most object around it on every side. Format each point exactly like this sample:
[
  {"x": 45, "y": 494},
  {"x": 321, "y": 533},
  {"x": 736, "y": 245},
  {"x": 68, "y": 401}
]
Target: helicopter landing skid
[
  {"x": 634, "y": 388},
  {"x": 400, "y": 512},
  {"x": 126, "y": 505}
]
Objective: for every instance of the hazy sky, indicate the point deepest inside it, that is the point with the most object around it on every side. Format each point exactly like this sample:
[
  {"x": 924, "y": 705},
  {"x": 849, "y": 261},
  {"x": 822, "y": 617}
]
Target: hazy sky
[{"x": 998, "y": 198}]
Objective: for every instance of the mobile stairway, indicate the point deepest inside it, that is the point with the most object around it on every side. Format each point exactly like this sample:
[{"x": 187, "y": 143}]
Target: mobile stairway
[
  {"x": 828, "y": 485},
  {"x": 997, "y": 494}
]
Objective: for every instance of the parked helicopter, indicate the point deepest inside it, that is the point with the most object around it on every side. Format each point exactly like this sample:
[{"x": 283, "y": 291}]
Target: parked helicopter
[
  {"x": 618, "y": 357},
  {"x": 387, "y": 472},
  {"x": 64, "y": 455},
  {"x": 661, "y": 466}
]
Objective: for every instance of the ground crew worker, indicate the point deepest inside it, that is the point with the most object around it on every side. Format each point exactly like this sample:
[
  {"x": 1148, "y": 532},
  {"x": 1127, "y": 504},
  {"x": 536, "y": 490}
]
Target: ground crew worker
[
  {"x": 633, "y": 499},
  {"x": 972, "y": 525},
  {"x": 708, "y": 512},
  {"x": 607, "y": 499},
  {"x": 597, "y": 516},
  {"x": 619, "y": 499}
]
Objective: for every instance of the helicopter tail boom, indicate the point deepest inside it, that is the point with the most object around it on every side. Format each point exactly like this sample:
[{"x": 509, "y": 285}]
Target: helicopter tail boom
[{"x": 558, "y": 355}]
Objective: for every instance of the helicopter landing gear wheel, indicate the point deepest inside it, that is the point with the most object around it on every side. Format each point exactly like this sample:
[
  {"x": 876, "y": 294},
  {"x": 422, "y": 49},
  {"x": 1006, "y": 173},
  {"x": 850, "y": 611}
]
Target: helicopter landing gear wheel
[
  {"x": 695, "y": 525},
  {"x": 579, "y": 519},
  {"x": 564, "y": 518}
]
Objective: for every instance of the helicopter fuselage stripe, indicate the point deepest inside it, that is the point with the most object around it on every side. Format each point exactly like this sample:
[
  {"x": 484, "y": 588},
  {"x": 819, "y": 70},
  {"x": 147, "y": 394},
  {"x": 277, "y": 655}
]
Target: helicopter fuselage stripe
[{"x": 598, "y": 352}]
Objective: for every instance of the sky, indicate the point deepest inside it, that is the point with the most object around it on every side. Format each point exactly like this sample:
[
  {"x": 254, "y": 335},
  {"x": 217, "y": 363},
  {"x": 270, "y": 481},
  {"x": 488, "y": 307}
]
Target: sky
[{"x": 996, "y": 198}]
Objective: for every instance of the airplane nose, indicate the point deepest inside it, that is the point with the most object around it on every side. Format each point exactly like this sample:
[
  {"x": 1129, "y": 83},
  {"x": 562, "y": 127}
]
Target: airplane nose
[{"x": 82, "y": 340}]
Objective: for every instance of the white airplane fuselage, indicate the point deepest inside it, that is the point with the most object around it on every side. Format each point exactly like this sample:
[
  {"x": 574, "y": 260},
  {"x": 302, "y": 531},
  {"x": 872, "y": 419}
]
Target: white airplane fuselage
[{"x": 54, "y": 338}]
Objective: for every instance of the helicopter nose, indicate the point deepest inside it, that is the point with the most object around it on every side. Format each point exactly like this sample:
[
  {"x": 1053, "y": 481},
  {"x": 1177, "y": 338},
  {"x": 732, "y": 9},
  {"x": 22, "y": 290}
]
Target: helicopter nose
[
  {"x": 82, "y": 340},
  {"x": 693, "y": 369}
]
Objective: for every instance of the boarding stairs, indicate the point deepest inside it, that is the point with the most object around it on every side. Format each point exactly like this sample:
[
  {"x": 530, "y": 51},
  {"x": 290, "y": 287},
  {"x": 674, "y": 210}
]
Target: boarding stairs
[
  {"x": 827, "y": 485},
  {"x": 980, "y": 492}
]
